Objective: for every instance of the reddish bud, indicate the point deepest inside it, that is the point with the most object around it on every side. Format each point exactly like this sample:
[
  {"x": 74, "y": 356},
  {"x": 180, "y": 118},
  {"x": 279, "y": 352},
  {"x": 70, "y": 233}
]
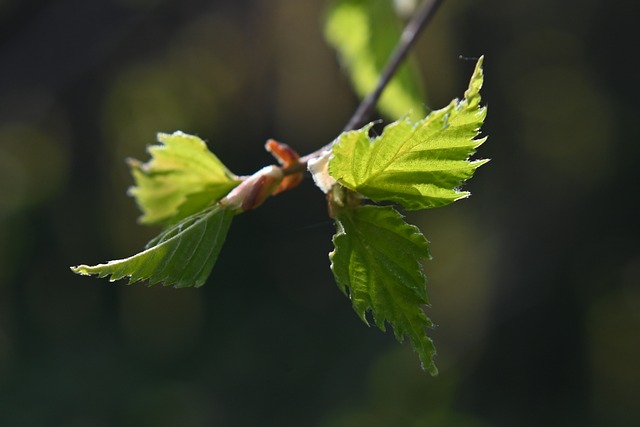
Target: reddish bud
[{"x": 287, "y": 157}]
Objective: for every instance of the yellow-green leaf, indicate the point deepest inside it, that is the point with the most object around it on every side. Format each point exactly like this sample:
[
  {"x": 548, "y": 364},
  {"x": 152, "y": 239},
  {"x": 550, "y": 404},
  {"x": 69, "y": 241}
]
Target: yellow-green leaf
[
  {"x": 182, "y": 178},
  {"x": 416, "y": 165}
]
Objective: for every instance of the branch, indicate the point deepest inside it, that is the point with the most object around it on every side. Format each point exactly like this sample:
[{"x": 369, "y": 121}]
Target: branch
[
  {"x": 406, "y": 42},
  {"x": 407, "y": 39}
]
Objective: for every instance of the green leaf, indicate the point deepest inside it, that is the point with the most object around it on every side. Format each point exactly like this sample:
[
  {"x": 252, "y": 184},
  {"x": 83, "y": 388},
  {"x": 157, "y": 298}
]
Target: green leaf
[
  {"x": 364, "y": 33},
  {"x": 377, "y": 261},
  {"x": 418, "y": 166},
  {"x": 182, "y": 256},
  {"x": 182, "y": 178}
]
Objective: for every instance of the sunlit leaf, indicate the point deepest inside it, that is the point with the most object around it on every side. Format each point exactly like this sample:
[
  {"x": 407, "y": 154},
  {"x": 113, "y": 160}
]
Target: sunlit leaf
[
  {"x": 377, "y": 262},
  {"x": 364, "y": 33},
  {"x": 418, "y": 166},
  {"x": 182, "y": 256},
  {"x": 182, "y": 178}
]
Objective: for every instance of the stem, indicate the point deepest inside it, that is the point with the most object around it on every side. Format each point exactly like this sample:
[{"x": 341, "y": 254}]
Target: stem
[{"x": 408, "y": 38}]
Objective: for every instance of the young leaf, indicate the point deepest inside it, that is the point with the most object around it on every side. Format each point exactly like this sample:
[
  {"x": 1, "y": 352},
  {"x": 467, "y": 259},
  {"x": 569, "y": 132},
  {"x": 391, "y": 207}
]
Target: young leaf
[
  {"x": 183, "y": 177},
  {"x": 182, "y": 256},
  {"x": 377, "y": 259},
  {"x": 364, "y": 32},
  {"x": 418, "y": 166}
]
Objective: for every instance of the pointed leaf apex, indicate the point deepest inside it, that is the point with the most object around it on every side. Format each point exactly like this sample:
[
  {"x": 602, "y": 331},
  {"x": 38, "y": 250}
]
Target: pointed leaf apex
[{"x": 476, "y": 81}]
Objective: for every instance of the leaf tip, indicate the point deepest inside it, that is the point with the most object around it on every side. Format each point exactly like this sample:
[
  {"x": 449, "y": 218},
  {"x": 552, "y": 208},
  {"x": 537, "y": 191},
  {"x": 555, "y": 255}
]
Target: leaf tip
[
  {"x": 478, "y": 70},
  {"x": 477, "y": 78},
  {"x": 461, "y": 195},
  {"x": 133, "y": 163},
  {"x": 480, "y": 162},
  {"x": 80, "y": 269},
  {"x": 430, "y": 367}
]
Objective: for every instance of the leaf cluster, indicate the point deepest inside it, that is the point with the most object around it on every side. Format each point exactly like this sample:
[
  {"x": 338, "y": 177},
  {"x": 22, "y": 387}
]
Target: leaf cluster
[{"x": 377, "y": 260}]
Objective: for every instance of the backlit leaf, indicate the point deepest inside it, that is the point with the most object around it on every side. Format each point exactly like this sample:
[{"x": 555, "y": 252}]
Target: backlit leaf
[
  {"x": 377, "y": 262},
  {"x": 182, "y": 256},
  {"x": 416, "y": 165},
  {"x": 183, "y": 177}
]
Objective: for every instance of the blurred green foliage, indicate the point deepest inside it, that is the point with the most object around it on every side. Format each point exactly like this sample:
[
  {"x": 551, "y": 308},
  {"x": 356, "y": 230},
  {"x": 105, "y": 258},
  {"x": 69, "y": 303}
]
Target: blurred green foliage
[
  {"x": 533, "y": 282},
  {"x": 364, "y": 33}
]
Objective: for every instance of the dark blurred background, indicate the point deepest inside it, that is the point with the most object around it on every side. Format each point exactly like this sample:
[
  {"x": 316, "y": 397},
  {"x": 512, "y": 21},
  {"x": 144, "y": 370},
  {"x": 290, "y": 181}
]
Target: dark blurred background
[{"x": 534, "y": 281}]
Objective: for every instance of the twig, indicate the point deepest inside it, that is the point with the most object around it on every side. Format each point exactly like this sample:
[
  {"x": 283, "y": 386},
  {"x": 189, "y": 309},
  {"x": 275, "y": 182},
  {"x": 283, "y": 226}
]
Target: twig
[{"x": 408, "y": 38}]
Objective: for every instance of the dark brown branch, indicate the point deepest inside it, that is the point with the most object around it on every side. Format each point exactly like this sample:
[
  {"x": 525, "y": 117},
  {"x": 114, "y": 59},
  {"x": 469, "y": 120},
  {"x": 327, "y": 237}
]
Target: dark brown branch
[
  {"x": 406, "y": 42},
  {"x": 408, "y": 38}
]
